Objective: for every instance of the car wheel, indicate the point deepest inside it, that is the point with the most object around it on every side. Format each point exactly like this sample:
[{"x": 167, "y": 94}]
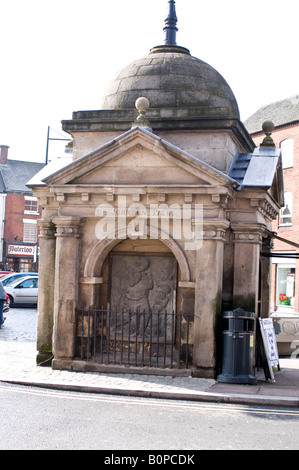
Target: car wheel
[{"x": 10, "y": 300}]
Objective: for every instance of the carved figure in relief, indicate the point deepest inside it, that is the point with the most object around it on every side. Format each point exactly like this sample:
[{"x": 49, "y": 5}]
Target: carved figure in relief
[
  {"x": 140, "y": 284},
  {"x": 163, "y": 297},
  {"x": 136, "y": 297},
  {"x": 164, "y": 289},
  {"x": 144, "y": 286}
]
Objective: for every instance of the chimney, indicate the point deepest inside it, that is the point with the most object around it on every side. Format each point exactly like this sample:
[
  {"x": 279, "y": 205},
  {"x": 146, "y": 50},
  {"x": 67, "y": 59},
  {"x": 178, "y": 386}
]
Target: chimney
[{"x": 3, "y": 154}]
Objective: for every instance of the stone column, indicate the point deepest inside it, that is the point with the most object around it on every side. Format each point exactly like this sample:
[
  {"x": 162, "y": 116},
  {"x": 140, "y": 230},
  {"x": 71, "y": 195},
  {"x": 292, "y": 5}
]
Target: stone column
[
  {"x": 66, "y": 287},
  {"x": 247, "y": 242},
  {"x": 247, "y": 246},
  {"x": 208, "y": 297},
  {"x": 45, "y": 292}
]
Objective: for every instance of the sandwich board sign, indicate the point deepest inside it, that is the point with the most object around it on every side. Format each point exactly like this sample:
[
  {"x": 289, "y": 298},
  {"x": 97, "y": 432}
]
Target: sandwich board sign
[{"x": 270, "y": 346}]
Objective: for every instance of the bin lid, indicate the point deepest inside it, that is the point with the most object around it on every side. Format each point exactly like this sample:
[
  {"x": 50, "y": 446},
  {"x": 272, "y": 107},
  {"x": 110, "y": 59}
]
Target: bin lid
[{"x": 239, "y": 313}]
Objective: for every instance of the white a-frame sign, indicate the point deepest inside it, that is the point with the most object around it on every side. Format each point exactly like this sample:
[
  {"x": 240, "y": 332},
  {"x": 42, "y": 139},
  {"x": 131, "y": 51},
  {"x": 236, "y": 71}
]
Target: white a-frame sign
[{"x": 269, "y": 343}]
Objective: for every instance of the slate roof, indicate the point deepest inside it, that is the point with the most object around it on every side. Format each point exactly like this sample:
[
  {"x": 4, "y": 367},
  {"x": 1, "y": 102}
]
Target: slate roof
[
  {"x": 255, "y": 169},
  {"x": 15, "y": 174},
  {"x": 280, "y": 113},
  {"x": 239, "y": 167}
]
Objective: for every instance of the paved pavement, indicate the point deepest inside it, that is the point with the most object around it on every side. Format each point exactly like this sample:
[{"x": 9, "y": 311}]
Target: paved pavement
[{"x": 18, "y": 365}]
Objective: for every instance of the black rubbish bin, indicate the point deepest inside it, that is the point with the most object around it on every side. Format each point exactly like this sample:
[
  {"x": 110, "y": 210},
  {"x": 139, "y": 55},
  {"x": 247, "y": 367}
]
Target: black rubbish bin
[{"x": 237, "y": 348}]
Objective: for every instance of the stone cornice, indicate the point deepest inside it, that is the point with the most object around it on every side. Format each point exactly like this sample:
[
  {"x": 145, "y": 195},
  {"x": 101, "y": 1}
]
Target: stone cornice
[
  {"x": 91, "y": 194},
  {"x": 161, "y": 119}
]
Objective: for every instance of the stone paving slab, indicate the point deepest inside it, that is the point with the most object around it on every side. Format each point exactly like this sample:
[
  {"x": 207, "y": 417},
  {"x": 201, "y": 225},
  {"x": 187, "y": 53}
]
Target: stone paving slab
[
  {"x": 18, "y": 365},
  {"x": 17, "y": 362}
]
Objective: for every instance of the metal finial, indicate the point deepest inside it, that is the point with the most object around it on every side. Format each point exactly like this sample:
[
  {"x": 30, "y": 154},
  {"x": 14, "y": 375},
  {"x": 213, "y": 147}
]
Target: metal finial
[{"x": 170, "y": 25}]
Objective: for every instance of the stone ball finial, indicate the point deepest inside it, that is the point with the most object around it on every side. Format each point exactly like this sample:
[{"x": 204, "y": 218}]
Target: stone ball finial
[
  {"x": 268, "y": 127},
  {"x": 142, "y": 104}
]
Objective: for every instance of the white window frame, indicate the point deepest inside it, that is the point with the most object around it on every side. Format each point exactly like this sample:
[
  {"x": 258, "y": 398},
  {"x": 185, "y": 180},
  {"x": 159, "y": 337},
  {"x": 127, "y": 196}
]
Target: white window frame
[
  {"x": 283, "y": 265},
  {"x": 288, "y": 203},
  {"x": 31, "y": 199},
  {"x": 287, "y": 153}
]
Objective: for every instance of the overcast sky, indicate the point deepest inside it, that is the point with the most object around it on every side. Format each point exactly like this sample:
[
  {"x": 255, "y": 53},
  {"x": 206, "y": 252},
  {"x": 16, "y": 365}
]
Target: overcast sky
[{"x": 58, "y": 56}]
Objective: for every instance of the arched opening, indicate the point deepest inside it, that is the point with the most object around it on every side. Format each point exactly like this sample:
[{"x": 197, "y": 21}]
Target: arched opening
[
  {"x": 134, "y": 272},
  {"x": 97, "y": 256},
  {"x": 136, "y": 317}
]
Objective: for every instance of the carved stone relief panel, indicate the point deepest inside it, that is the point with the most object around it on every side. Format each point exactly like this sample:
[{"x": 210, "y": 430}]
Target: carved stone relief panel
[{"x": 143, "y": 285}]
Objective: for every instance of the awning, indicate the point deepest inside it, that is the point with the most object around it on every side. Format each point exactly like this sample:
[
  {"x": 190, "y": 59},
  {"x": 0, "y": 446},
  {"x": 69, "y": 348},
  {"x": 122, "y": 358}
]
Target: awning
[
  {"x": 281, "y": 254},
  {"x": 276, "y": 254}
]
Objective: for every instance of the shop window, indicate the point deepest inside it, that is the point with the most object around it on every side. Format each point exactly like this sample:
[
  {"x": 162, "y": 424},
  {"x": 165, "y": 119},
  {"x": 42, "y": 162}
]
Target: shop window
[
  {"x": 287, "y": 153},
  {"x": 285, "y": 215},
  {"x": 25, "y": 266},
  {"x": 285, "y": 285}
]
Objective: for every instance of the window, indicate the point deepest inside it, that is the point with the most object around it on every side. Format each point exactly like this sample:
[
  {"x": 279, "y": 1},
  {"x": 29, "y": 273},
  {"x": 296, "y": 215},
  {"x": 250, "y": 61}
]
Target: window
[
  {"x": 29, "y": 283},
  {"x": 30, "y": 231},
  {"x": 287, "y": 153},
  {"x": 31, "y": 205},
  {"x": 285, "y": 285},
  {"x": 285, "y": 215}
]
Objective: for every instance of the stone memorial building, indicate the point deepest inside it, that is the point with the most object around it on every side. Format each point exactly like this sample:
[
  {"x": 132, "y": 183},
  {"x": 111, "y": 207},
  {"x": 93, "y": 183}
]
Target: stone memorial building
[{"x": 157, "y": 224}]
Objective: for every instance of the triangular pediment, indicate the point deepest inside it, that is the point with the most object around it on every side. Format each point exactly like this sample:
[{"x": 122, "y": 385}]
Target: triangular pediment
[
  {"x": 138, "y": 157},
  {"x": 139, "y": 164}
]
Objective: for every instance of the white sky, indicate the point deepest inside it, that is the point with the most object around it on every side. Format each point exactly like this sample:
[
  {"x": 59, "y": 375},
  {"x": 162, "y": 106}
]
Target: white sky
[{"x": 58, "y": 56}]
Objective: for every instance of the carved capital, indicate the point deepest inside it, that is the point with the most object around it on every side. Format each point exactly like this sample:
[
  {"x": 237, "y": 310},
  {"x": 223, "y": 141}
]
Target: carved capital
[
  {"x": 47, "y": 228},
  {"x": 67, "y": 226},
  {"x": 251, "y": 233},
  {"x": 215, "y": 229}
]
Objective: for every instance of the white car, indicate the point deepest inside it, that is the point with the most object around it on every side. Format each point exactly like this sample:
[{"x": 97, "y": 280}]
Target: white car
[
  {"x": 8, "y": 279},
  {"x": 23, "y": 291}
]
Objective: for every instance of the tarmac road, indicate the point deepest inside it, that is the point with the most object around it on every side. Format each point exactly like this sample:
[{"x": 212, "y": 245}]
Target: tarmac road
[{"x": 62, "y": 420}]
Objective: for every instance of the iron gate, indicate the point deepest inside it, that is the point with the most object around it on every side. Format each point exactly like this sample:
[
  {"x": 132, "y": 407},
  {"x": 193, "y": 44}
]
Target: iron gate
[{"x": 154, "y": 339}]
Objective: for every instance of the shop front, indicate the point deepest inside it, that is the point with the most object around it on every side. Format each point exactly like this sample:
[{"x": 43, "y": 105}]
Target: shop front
[
  {"x": 284, "y": 271},
  {"x": 285, "y": 296},
  {"x": 21, "y": 257}
]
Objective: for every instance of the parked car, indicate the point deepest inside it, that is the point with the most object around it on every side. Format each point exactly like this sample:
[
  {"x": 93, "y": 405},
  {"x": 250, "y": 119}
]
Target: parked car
[
  {"x": 23, "y": 291},
  {"x": 12, "y": 277},
  {"x": 4, "y": 273}
]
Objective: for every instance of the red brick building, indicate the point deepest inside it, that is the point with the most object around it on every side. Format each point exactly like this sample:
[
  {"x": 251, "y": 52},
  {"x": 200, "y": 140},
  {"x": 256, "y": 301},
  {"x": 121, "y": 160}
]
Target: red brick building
[
  {"x": 285, "y": 270},
  {"x": 19, "y": 212}
]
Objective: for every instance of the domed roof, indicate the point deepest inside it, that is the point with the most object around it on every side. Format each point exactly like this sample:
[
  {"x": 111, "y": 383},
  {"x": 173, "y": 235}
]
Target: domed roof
[{"x": 169, "y": 77}]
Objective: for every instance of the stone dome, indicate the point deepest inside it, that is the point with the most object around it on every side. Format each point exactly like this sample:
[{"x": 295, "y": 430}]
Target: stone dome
[{"x": 169, "y": 77}]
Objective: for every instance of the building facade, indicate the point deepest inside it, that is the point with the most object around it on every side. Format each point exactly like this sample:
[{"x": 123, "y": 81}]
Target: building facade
[
  {"x": 285, "y": 281},
  {"x": 19, "y": 214},
  {"x": 157, "y": 224}
]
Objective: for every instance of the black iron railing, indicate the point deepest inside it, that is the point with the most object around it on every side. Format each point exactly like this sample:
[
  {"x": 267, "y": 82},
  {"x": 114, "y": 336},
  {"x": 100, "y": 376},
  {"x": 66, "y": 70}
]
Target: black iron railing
[{"x": 154, "y": 339}]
